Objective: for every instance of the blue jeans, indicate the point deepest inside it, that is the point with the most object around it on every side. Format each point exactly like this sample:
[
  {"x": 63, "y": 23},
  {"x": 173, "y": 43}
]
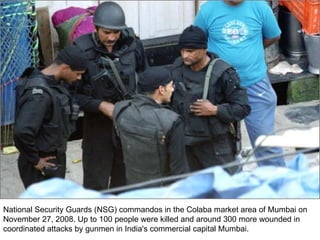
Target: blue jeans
[{"x": 261, "y": 120}]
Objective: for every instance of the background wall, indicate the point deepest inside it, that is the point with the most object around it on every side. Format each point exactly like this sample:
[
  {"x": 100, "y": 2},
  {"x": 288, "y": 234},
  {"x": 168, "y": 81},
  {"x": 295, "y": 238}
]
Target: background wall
[{"x": 149, "y": 19}]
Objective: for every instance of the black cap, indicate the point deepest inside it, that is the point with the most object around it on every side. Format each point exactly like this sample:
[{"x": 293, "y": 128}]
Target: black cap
[
  {"x": 74, "y": 57},
  {"x": 193, "y": 37},
  {"x": 153, "y": 77}
]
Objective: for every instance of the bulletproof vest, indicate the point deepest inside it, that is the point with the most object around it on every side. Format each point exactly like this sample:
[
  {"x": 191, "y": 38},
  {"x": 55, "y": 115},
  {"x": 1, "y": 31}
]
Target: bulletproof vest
[
  {"x": 102, "y": 75},
  {"x": 54, "y": 134},
  {"x": 143, "y": 128},
  {"x": 189, "y": 88}
]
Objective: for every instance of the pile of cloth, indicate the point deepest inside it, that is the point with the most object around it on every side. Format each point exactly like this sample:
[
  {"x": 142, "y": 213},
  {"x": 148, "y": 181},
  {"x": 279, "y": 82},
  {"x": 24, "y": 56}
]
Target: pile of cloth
[
  {"x": 73, "y": 22},
  {"x": 283, "y": 67}
]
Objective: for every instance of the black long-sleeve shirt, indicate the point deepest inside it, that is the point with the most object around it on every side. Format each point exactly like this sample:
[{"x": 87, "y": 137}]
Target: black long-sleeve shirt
[{"x": 35, "y": 109}]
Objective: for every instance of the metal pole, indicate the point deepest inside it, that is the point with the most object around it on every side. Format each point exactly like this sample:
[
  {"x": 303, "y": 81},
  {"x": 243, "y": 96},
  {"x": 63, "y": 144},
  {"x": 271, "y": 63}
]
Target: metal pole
[{"x": 196, "y": 7}]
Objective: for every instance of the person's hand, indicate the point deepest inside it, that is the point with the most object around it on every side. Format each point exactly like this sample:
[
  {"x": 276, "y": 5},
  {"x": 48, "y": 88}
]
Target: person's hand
[
  {"x": 43, "y": 162},
  {"x": 106, "y": 108},
  {"x": 203, "y": 107}
]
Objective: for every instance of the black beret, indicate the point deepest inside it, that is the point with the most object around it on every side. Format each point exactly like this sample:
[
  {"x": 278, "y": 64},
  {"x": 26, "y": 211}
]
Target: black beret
[
  {"x": 193, "y": 37},
  {"x": 153, "y": 77},
  {"x": 74, "y": 57}
]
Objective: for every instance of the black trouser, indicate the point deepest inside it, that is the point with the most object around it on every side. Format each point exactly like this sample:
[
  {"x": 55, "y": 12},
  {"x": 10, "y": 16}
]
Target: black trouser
[
  {"x": 103, "y": 166},
  {"x": 214, "y": 153}
]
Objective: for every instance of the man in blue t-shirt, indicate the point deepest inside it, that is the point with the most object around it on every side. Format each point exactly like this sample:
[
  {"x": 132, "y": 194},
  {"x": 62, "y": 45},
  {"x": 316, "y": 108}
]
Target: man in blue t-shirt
[{"x": 238, "y": 31}]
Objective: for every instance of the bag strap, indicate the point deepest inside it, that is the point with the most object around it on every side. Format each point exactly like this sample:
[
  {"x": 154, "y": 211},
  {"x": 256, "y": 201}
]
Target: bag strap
[
  {"x": 75, "y": 25},
  {"x": 208, "y": 77},
  {"x": 118, "y": 109}
]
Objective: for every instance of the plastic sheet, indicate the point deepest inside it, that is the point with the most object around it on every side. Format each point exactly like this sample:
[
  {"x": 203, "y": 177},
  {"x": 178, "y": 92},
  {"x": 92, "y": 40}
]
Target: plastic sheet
[{"x": 294, "y": 181}]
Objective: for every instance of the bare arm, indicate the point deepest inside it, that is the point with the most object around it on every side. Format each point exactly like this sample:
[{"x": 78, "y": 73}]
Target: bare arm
[
  {"x": 268, "y": 42},
  {"x": 106, "y": 108}
]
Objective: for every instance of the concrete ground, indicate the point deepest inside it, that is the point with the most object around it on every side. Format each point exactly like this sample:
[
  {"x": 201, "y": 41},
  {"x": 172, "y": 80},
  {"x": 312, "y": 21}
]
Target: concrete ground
[{"x": 298, "y": 115}]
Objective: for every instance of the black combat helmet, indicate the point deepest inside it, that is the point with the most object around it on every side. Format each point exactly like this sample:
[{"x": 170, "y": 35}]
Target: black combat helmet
[{"x": 109, "y": 15}]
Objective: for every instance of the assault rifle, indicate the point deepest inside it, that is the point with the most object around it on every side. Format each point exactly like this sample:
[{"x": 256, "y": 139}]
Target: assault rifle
[{"x": 108, "y": 65}]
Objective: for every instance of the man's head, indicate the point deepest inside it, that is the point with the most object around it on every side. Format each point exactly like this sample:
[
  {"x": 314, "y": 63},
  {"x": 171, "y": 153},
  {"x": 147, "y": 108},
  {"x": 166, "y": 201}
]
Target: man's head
[
  {"x": 73, "y": 63},
  {"x": 233, "y": 2},
  {"x": 193, "y": 45},
  {"x": 156, "y": 82},
  {"x": 109, "y": 20}
]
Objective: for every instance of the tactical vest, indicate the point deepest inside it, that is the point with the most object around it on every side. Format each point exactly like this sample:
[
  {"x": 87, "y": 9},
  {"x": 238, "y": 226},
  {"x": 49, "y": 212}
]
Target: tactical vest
[
  {"x": 55, "y": 133},
  {"x": 102, "y": 76},
  {"x": 197, "y": 129},
  {"x": 142, "y": 128}
]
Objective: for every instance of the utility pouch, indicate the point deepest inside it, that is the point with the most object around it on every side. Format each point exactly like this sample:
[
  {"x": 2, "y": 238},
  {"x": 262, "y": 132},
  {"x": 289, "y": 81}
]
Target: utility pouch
[
  {"x": 75, "y": 112},
  {"x": 196, "y": 129}
]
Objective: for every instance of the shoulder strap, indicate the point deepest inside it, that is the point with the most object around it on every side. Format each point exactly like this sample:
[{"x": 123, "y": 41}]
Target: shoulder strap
[
  {"x": 75, "y": 25},
  {"x": 208, "y": 77},
  {"x": 38, "y": 82}
]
